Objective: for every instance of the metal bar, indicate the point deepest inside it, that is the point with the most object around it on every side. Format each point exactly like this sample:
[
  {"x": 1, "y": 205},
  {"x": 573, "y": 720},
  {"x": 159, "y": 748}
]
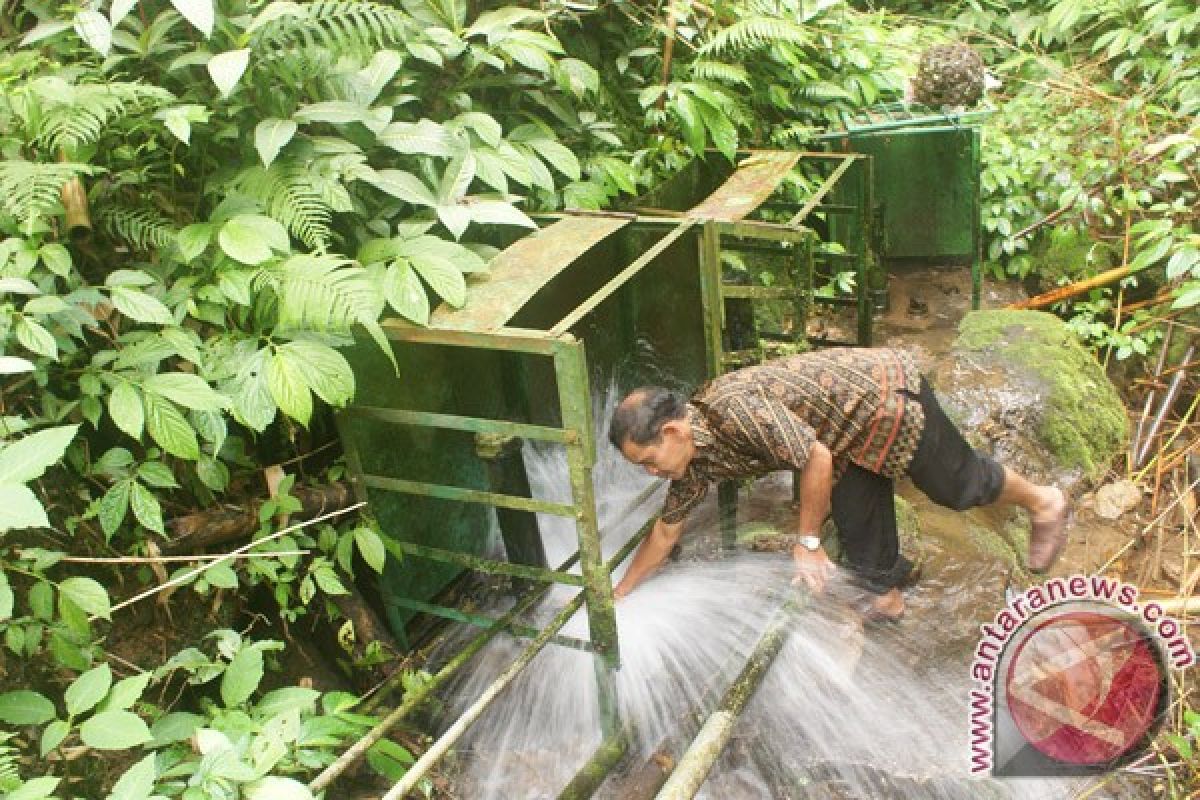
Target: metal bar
[
  {"x": 976, "y": 229},
  {"x": 729, "y": 290},
  {"x": 621, "y": 278},
  {"x": 669, "y": 221},
  {"x": 589, "y": 777},
  {"x": 487, "y": 565},
  {"x": 485, "y": 621},
  {"x": 770, "y": 231},
  {"x": 713, "y": 306},
  {"x": 467, "y": 495},
  {"x": 865, "y": 309},
  {"x": 453, "y": 422},
  {"x": 513, "y": 340},
  {"x": 468, "y": 717},
  {"x": 416, "y": 697},
  {"x": 693, "y": 767},
  {"x": 913, "y": 123},
  {"x": 819, "y": 195}
]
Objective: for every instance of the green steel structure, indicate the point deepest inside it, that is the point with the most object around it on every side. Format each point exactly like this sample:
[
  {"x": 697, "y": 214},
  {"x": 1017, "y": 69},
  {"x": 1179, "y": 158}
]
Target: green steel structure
[{"x": 429, "y": 441}]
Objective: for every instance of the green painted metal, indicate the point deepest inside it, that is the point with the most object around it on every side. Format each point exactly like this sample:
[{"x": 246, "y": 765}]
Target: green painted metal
[
  {"x": 516, "y": 275},
  {"x": 756, "y": 178},
  {"x": 443, "y": 492},
  {"x": 474, "y": 424},
  {"x": 589, "y": 777},
  {"x": 485, "y": 621},
  {"x": 488, "y": 565}
]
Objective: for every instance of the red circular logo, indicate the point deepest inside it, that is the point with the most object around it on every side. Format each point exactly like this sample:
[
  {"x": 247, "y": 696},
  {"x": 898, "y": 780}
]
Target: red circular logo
[{"x": 1084, "y": 687}]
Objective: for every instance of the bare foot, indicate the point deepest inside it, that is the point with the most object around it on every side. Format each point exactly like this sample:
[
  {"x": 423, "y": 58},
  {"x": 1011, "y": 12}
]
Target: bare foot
[
  {"x": 886, "y": 607},
  {"x": 1049, "y": 532}
]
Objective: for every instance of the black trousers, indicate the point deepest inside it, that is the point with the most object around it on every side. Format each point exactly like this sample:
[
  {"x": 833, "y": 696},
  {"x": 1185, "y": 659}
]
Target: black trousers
[{"x": 947, "y": 469}]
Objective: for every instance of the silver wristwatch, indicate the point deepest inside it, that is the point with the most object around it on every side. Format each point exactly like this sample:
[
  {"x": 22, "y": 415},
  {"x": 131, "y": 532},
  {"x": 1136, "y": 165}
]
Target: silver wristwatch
[{"x": 810, "y": 543}]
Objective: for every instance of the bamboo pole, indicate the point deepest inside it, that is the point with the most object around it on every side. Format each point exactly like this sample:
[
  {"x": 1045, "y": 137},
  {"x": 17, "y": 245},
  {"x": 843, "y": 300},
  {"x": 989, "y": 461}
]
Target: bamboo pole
[
  {"x": 695, "y": 764},
  {"x": 589, "y": 777},
  {"x": 1071, "y": 290},
  {"x": 413, "y": 699}
]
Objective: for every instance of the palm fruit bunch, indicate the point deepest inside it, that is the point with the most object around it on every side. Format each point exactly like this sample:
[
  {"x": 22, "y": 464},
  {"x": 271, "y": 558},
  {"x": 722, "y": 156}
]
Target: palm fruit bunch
[{"x": 949, "y": 75}]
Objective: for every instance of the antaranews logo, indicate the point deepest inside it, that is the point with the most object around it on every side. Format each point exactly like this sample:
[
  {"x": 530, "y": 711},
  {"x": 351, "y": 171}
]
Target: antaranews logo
[{"x": 1071, "y": 678}]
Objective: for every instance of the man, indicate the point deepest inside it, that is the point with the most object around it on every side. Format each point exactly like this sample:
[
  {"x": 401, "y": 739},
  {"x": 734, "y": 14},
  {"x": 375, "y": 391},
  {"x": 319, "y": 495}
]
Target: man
[{"x": 849, "y": 422}]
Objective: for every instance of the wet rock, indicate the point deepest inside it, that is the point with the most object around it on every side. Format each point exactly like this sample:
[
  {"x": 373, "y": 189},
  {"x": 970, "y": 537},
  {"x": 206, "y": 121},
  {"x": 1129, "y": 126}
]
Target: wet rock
[
  {"x": 1021, "y": 387},
  {"x": 1114, "y": 499}
]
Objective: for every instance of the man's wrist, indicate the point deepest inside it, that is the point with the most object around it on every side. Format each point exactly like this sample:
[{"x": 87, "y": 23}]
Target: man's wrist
[{"x": 808, "y": 541}]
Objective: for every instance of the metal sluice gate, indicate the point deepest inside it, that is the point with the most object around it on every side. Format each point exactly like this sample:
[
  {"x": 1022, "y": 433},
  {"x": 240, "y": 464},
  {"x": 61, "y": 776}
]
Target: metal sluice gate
[{"x": 430, "y": 440}]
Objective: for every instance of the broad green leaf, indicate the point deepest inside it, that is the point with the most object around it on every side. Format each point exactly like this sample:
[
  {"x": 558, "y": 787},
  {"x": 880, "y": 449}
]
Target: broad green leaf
[
  {"x": 485, "y": 126},
  {"x": 424, "y": 249},
  {"x": 35, "y": 789},
  {"x": 146, "y": 508},
  {"x": 288, "y": 699},
  {"x": 126, "y": 692},
  {"x": 288, "y": 389},
  {"x": 423, "y": 137},
  {"x": 405, "y": 293},
  {"x": 119, "y": 10},
  {"x": 403, "y": 186},
  {"x": 128, "y": 277},
  {"x": 44, "y": 30},
  {"x": 138, "y": 781},
  {"x": 270, "y": 136},
  {"x": 373, "y": 78},
  {"x": 57, "y": 258},
  {"x": 139, "y": 306},
  {"x": 114, "y": 730},
  {"x": 242, "y": 676},
  {"x": 178, "y": 121},
  {"x": 46, "y": 305},
  {"x": 371, "y": 547},
  {"x": 95, "y": 30},
  {"x": 273, "y": 787},
  {"x": 25, "y": 459},
  {"x": 20, "y": 508},
  {"x": 444, "y": 278},
  {"x": 251, "y": 238},
  {"x": 168, "y": 427},
  {"x": 324, "y": 369},
  {"x": 7, "y": 599},
  {"x": 199, "y": 13},
  {"x": 18, "y": 286},
  {"x": 456, "y": 179},
  {"x": 125, "y": 408},
  {"x": 335, "y": 112},
  {"x": 222, "y": 576},
  {"x": 175, "y": 727},
  {"x": 25, "y": 707},
  {"x": 41, "y": 600},
  {"x": 88, "y": 689},
  {"x": 558, "y": 157},
  {"x": 253, "y": 405},
  {"x": 188, "y": 390},
  {"x": 212, "y": 473},
  {"x": 193, "y": 240},
  {"x": 1190, "y": 296},
  {"x": 112, "y": 507},
  {"x": 87, "y": 594},
  {"x": 53, "y": 735},
  {"x": 14, "y": 365},
  {"x": 495, "y": 212},
  {"x": 689, "y": 117},
  {"x": 328, "y": 580},
  {"x": 226, "y": 69},
  {"x": 158, "y": 475},
  {"x": 36, "y": 338}
]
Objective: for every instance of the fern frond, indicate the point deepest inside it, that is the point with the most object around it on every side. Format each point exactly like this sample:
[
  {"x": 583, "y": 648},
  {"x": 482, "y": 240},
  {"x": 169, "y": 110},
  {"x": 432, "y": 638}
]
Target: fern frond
[
  {"x": 287, "y": 194},
  {"x": 754, "y": 33},
  {"x": 794, "y": 134},
  {"x": 704, "y": 69},
  {"x": 338, "y": 25},
  {"x": 321, "y": 292},
  {"x": 144, "y": 228},
  {"x": 81, "y": 116},
  {"x": 29, "y": 190},
  {"x": 824, "y": 92},
  {"x": 10, "y": 778}
]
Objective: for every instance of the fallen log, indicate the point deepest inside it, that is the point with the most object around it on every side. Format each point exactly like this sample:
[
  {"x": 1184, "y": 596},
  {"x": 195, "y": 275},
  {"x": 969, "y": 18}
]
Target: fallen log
[{"x": 204, "y": 529}]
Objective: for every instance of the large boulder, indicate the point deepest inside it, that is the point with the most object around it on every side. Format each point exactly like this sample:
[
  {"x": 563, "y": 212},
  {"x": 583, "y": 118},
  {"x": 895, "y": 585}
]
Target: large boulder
[{"x": 1021, "y": 387}]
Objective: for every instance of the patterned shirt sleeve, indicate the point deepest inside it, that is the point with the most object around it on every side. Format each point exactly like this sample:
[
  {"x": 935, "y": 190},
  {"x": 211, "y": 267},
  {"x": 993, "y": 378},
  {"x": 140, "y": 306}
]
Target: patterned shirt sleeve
[
  {"x": 768, "y": 429},
  {"x": 682, "y": 496}
]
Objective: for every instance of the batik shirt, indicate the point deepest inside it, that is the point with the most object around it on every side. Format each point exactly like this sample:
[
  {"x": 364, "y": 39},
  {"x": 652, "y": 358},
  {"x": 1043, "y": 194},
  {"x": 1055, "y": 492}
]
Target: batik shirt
[{"x": 861, "y": 403}]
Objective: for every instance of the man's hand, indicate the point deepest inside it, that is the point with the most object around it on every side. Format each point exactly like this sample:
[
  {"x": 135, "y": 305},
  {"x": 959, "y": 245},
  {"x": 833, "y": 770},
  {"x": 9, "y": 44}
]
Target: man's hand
[
  {"x": 813, "y": 568},
  {"x": 620, "y": 590}
]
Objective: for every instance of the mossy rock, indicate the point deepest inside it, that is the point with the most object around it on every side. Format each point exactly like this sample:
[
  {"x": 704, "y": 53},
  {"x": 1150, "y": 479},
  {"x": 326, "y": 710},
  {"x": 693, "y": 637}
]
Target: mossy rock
[
  {"x": 1067, "y": 255},
  {"x": 1035, "y": 396}
]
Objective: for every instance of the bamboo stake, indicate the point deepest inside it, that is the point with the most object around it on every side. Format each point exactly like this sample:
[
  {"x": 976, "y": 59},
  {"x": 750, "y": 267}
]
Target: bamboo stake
[
  {"x": 169, "y": 559},
  {"x": 1071, "y": 290},
  {"x": 1167, "y": 402},
  {"x": 187, "y": 576}
]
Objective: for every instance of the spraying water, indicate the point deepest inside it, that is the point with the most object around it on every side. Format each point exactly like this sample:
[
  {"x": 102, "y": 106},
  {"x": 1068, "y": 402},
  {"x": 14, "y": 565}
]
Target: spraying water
[{"x": 840, "y": 714}]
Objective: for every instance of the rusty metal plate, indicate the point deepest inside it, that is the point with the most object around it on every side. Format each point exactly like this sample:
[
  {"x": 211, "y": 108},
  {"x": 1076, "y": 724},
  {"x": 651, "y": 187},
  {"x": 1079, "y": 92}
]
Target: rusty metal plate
[
  {"x": 748, "y": 187},
  {"x": 523, "y": 268}
]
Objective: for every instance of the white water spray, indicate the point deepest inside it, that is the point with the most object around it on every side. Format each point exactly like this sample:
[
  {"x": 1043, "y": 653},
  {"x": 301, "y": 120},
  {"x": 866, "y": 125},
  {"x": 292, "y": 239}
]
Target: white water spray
[{"x": 839, "y": 714}]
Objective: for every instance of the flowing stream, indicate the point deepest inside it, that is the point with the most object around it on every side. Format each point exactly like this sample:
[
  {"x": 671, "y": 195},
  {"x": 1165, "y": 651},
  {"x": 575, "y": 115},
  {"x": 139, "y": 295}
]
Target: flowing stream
[{"x": 840, "y": 714}]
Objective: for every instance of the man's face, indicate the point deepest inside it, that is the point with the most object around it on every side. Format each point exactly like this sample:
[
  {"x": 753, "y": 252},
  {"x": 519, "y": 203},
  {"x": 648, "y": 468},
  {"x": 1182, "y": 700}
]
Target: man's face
[{"x": 666, "y": 457}]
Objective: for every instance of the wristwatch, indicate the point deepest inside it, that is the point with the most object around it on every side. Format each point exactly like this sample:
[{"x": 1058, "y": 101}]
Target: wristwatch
[{"x": 810, "y": 543}]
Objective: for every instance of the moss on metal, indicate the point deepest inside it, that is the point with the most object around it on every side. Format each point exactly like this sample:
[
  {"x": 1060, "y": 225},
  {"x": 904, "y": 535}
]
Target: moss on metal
[{"x": 1084, "y": 423}]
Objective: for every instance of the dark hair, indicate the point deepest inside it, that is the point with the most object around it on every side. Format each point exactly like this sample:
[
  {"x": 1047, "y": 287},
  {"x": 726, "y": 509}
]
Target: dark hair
[{"x": 640, "y": 416}]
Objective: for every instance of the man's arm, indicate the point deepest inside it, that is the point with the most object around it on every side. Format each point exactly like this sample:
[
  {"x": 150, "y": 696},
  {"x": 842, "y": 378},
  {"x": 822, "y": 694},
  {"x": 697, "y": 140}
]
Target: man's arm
[
  {"x": 813, "y": 567},
  {"x": 653, "y": 550}
]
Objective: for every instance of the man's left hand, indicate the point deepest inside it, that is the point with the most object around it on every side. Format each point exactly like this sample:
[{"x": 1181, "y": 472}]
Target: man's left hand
[{"x": 813, "y": 568}]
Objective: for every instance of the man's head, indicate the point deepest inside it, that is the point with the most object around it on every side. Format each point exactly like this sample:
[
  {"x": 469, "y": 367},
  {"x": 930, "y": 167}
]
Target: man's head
[{"x": 651, "y": 429}]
